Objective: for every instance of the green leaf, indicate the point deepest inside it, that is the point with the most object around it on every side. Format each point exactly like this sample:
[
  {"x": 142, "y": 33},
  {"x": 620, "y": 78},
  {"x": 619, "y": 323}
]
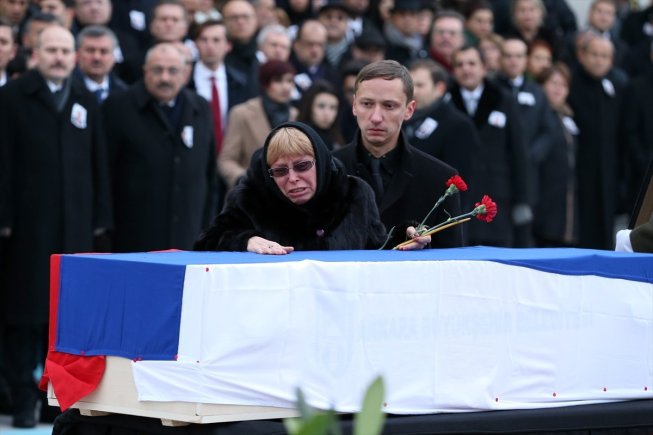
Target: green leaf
[
  {"x": 317, "y": 424},
  {"x": 305, "y": 411},
  {"x": 292, "y": 425},
  {"x": 370, "y": 420}
]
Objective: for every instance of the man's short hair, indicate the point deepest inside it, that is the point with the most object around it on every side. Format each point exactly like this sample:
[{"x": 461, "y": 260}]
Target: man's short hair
[
  {"x": 437, "y": 72},
  {"x": 270, "y": 29},
  {"x": 387, "y": 70},
  {"x": 538, "y": 3},
  {"x": 96, "y": 31},
  {"x": 303, "y": 25},
  {"x": 610, "y": 2},
  {"x": 467, "y": 47},
  {"x": 173, "y": 3},
  {"x": 476, "y": 5},
  {"x": 41, "y": 17},
  {"x": 205, "y": 25},
  {"x": 449, "y": 13}
]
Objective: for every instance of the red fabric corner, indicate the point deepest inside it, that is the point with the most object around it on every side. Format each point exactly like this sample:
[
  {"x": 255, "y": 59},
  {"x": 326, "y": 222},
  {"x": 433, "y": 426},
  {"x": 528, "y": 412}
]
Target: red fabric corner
[{"x": 72, "y": 376}]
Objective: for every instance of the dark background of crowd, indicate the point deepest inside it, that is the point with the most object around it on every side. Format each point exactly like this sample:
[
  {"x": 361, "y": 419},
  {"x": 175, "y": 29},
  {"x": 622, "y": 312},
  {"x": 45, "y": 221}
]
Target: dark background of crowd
[{"x": 584, "y": 157}]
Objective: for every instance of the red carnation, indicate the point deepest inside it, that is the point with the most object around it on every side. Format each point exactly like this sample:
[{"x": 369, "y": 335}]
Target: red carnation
[
  {"x": 490, "y": 209},
  {"x": 457, "y": 181}
]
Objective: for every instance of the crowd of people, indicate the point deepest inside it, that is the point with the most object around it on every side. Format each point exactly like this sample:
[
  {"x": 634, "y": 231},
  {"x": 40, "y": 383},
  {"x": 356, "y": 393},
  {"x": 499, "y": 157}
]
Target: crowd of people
[{"x": 142, "y": 125}]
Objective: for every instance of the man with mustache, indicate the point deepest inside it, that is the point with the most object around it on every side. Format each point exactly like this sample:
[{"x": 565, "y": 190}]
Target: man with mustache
[
  {"x": 446, "y": 37},
  {"x": 162, "y": 157},
  {"x": 54, "y": 198},
  {"x": 95, "y": 61}
]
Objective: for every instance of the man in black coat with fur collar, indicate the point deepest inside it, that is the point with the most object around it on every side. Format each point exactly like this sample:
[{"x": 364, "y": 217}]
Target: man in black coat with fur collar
[
  {"x": 503, "y": 159},
  {"x": 406, "y": 181}
]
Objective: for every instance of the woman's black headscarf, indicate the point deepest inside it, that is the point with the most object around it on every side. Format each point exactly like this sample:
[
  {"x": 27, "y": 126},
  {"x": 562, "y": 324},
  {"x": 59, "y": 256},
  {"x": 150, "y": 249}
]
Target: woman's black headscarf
[
  {"x": 257, "y": 207},
  {"x": 330, "y": 173}
]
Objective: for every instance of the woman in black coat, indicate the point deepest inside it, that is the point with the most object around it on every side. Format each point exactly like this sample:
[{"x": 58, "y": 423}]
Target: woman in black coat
[
  {"x": 297, "y": 197},
  {"x": 556, "y": 212}
]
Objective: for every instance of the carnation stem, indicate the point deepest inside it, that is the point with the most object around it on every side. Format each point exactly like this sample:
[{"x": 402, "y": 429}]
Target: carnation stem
[
  {"x": 387, "y": 239},
  {"x": 437, "y": 204},
  {"x": 443, "y": 226}
]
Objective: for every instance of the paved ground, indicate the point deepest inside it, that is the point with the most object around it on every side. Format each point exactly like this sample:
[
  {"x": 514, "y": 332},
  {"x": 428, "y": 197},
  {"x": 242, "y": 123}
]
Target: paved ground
[{"x": 6, "y": 429}]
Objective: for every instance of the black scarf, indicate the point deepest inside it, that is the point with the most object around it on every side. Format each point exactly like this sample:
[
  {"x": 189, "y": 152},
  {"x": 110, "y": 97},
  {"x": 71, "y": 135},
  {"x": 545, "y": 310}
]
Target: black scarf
[
  {"x": 326, "y": 205},
  {"x": 277, "y": 113}
]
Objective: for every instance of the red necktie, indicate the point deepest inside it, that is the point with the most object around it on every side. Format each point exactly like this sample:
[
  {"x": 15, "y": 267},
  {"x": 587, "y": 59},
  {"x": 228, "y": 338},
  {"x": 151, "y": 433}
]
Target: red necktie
[{"x": 217, "y": 115}]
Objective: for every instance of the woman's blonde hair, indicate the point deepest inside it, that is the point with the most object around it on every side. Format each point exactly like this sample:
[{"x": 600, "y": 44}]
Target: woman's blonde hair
[{"x": 288, "y": 141}]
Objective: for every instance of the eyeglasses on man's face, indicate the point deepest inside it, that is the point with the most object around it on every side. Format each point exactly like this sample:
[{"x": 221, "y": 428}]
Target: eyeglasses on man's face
[{"x": 282, "y": 171}]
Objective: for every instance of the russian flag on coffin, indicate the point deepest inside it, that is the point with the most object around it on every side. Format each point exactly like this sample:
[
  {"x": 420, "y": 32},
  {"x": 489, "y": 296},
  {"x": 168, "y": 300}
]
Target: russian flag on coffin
[{"x": 130, "y": 305}]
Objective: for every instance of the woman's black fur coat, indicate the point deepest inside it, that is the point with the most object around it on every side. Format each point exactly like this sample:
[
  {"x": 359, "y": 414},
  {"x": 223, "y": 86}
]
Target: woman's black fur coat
[{"x": 342, "y": 214}]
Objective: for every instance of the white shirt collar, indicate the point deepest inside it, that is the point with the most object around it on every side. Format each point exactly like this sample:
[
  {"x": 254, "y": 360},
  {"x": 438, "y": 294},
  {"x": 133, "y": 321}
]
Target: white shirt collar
[
  {"x": 203, "y": 72},
  {"x": 93, "y": 85},
  {"x": 475, "y": 94},
  {"x": 261, "y": 57},
  {"x": 53, "y": 86},
  {"x": 517, "y": 81}
]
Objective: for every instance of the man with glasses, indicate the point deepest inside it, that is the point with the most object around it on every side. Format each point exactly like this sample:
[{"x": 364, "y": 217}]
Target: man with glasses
[
  {"x": 162, "y": 157},
  {"x": 241, "y": 22},
  {"x": 309, "y": 56},
  {"x": 447, "y": 37}
]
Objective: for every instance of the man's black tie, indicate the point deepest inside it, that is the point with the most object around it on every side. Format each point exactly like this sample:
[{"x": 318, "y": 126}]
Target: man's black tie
[{"x": 377, "y": 180}]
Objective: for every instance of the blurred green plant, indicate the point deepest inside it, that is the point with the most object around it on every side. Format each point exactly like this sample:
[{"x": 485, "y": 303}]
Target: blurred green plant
[{"x": 369, "y": 421}]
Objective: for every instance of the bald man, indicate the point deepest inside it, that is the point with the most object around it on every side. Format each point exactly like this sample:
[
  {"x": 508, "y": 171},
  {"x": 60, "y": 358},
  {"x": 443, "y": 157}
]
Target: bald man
[
  {"x": 309, "y": 56},
  {"x": 53, "y": 176}
]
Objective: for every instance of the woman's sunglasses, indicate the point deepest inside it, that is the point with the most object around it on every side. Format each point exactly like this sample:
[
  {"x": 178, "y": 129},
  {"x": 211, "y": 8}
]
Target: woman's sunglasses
[{"x": 297, "y": 167}]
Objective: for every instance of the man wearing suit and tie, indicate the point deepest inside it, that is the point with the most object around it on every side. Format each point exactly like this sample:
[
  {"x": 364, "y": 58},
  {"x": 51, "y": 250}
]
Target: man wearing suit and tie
[
  {"x": 223, "y": 86},
  {"x": 95, "y": 60},
  {"x": 212, "y": 78}
]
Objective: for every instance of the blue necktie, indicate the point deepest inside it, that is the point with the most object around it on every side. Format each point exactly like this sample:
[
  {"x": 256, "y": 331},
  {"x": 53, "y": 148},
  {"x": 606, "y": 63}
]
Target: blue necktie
[{"x": 99, "y": 94}]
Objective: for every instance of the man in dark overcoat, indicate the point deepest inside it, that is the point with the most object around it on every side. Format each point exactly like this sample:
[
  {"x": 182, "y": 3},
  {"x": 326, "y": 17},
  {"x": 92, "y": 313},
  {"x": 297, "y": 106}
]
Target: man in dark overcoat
[
  {"x": 596, "y": 98},
  {"x": 406, "y": 181},
  {"x": 53, "y": 197},
  {"x": 537, "y": 121},
  {"x": 162, "y": 158},
  {"x": 438, "y": 128},
  {"x": 503, "y": 169}
]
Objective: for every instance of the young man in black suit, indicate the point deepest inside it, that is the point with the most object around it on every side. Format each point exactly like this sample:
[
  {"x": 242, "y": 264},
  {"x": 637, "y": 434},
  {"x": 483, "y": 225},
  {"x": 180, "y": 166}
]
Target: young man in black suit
[{"x": 406, "y": 181}]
